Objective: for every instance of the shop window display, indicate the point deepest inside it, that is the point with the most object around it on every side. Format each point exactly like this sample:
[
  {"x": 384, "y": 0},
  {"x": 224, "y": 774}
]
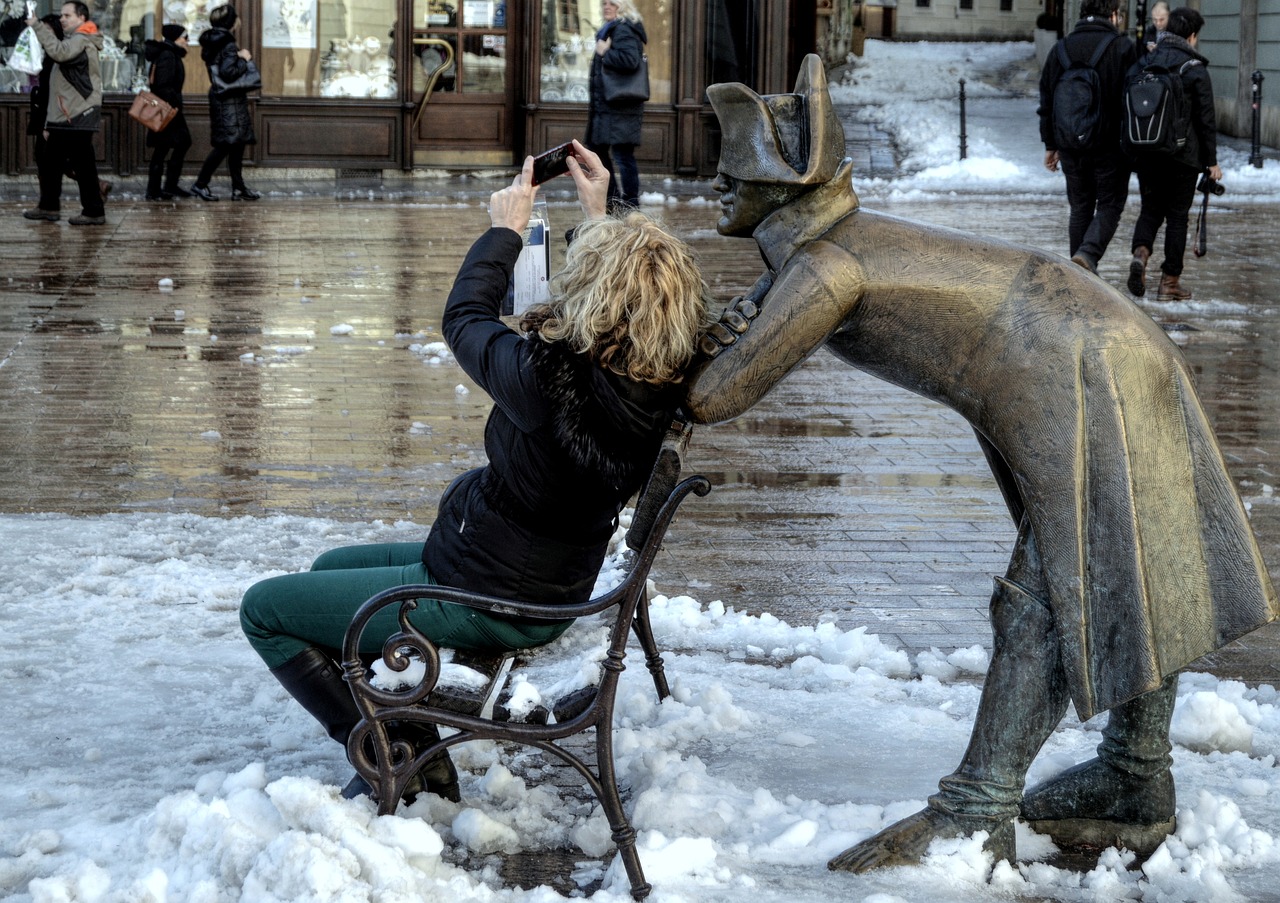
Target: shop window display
[
  {"x": 328, "y": 48},
  {"x": 125, "y": 25},
  {"x": 569, "y": 39}
]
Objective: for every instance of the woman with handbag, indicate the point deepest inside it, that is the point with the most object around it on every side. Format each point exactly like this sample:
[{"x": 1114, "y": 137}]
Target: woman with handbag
[
  {"x": 232, "y": 75},
  {"x": 168, "y": 75},
  {"x": 613, "y": 126}
]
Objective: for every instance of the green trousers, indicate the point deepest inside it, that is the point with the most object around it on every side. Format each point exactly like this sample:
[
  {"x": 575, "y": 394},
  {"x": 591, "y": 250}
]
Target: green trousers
[{"x": 284, "y": 615}]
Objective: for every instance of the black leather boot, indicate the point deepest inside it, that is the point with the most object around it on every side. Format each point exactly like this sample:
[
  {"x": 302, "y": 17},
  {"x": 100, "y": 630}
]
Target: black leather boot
[
  {"x": 1125, "y": 797},
  {"x": 155, "y": 172},
  {"x": 315, "y": 681}
]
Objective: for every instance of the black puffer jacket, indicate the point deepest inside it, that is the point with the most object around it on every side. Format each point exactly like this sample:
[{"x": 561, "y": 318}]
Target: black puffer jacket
[
  {"x": 167, "y": 77},
  {"x": 229, "y": 119},
  {"x": 568, "y": 443},
  {"x": 1173, "y": 52},
  {"x": 617, "y": 123},
  {"x": 1081, "y": 45}
]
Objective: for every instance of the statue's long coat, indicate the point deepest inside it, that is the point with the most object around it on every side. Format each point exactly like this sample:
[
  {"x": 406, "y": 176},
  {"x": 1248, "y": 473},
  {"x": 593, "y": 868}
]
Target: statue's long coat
[{"x": 1085, "y": 409}]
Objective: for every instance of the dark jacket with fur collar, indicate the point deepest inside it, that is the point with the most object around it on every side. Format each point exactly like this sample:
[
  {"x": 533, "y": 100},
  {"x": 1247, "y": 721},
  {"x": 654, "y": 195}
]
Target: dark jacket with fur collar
[{"x": 568, "y": 445}]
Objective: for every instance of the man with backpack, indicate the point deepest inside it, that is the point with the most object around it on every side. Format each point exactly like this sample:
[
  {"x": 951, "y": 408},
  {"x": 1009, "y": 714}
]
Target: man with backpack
[
  {"x": 1171, "y": 131},
  {"x": 1080, "y": 115}
]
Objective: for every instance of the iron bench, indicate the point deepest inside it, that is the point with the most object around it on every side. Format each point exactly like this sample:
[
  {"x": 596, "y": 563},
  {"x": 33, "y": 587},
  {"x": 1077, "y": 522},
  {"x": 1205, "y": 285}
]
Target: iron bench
[{"x": 388, "y": 764}]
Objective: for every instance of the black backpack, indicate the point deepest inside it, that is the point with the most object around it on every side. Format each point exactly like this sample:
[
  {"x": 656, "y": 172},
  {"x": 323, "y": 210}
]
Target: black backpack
[
  {"x": 1157, "y": 117},
  {"x": 1077, "y": 100}
]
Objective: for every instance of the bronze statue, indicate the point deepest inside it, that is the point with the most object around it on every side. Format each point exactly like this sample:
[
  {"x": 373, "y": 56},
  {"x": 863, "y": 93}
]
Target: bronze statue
[{"x": 1134, "y": 556}]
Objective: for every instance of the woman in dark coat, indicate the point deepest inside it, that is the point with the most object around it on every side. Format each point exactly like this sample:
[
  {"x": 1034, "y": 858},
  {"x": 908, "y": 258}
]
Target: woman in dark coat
[
  {"x": 613, "y": 129},
  {"x": 583, "y": 395},
  {"x": 230, "y": 123},
  {"x": 168, "y": 75}
]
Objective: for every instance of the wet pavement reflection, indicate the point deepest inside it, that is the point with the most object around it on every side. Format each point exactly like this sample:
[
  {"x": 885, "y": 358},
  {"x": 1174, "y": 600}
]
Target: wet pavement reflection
[{"x": 290, "y": 370}]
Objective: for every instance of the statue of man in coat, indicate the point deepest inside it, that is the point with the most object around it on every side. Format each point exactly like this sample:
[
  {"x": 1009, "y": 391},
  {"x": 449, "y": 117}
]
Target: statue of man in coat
[{"x": 1134, "y": 555}]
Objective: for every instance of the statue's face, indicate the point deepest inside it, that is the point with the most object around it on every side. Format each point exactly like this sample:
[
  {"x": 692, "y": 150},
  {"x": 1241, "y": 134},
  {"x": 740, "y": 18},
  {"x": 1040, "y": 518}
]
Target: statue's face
[{"x": 744, "y": 205}]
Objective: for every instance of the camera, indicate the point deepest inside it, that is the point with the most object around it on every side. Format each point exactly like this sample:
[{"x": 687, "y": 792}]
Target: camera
[{"x": 1210, "y": 186}]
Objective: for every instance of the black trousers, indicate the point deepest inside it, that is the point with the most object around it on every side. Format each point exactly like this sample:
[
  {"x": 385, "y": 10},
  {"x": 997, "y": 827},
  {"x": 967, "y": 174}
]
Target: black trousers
[
  {"x": 70, "y": 149},
  {"x": 233, "y": 154},
  {"x": 1097, "y": 188},
  {"x": 1168, "y": 190}
]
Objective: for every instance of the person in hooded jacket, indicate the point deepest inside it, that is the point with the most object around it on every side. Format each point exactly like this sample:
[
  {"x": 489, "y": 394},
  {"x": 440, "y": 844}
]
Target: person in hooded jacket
[
  {"x": 230, "y": 122},
  {"x": 1167, "y": 183},
  {"x": 613, "y": 129},
  {"x": 168, "y": 75},
  {"x": 583, "y": 395},
  {"x": 73, "y": 115}
]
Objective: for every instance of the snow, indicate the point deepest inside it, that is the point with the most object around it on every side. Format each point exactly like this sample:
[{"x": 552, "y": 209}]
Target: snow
[{"x": 148, "y": 756}]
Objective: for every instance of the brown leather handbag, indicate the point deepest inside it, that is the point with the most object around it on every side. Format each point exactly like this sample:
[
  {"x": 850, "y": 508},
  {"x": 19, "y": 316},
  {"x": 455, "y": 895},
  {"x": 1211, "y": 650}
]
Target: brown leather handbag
[{"x": 151, "y": 111}]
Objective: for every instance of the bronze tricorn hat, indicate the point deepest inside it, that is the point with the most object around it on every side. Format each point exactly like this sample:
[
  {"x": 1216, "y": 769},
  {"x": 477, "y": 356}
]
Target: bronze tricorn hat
[{"x": 791, "y": 139}]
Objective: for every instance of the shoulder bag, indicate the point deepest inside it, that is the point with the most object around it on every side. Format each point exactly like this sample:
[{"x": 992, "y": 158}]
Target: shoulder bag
[
  {"x": 250, "y": 81},
  {"x": 626, "y": 87},
  {"x": 151, "y": 111}
]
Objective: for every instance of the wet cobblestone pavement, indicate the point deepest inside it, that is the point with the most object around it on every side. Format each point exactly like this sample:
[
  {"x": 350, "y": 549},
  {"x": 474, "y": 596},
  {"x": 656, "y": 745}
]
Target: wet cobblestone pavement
[{"x": 288, "y": 370}]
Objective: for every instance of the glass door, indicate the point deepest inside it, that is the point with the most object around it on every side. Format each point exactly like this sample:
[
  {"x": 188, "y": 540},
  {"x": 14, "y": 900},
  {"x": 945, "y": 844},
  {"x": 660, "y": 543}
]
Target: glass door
[{"x": 464, "y": 83}]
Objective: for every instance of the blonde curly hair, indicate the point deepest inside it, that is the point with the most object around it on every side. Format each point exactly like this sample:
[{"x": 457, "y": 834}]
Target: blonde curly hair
[{"x": 630, "y": 296}]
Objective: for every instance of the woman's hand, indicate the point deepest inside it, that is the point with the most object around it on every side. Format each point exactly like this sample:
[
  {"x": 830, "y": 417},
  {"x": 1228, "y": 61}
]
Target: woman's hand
[
  {"x": 511, "y": 207},
  {"x": 1215, "y": 172},
  {"x": 245, "y": 55},
  {"x": 602, "y": 47},
  {"x": 592, "y": 180}
]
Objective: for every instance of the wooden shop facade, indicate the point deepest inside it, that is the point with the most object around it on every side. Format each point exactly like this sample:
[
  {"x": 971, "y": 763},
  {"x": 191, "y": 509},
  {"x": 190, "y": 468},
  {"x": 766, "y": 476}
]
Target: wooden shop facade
[{"x": 399, "y": 84}]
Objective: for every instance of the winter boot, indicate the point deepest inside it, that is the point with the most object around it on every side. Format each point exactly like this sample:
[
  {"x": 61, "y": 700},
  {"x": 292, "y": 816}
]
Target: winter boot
[
  {"x": 1124, "y": 797},
  {"x": 1138, "y": 271},
  {"x": 155, "y": 172},
  {"x": 1170, "y": 290},
  {"x": 1023, "y": 699},
  {"x": 315, "y": 681}
]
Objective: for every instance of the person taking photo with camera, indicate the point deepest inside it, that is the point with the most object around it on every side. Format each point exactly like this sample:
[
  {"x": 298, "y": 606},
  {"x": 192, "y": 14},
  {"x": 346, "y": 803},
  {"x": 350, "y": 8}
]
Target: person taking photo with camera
[{"x": 1167, "y": 181}]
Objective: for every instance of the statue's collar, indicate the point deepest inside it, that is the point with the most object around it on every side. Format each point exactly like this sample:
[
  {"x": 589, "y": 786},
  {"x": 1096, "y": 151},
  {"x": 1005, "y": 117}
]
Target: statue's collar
[{"x": 789, "y": 228}]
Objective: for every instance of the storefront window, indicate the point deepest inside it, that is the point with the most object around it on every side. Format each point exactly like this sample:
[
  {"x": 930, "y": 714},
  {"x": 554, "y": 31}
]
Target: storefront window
[
  {"x": 731, "y": 42},
  {"x": 328, "y": 48},
  {"x": 124, "y": 27},
  {"x": 569, "y": 39},
  {"x": 475, "y": 58}
]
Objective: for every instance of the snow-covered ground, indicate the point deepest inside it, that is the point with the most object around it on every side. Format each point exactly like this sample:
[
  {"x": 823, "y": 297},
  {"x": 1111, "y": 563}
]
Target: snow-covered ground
[{"x": 147, "y": 756}]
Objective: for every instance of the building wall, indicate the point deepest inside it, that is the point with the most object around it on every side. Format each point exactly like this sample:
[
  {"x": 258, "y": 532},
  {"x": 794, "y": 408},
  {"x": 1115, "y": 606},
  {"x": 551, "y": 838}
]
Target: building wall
[
  {"x": 1241, "y": 37},
  {"x": 966, "y": 19}
]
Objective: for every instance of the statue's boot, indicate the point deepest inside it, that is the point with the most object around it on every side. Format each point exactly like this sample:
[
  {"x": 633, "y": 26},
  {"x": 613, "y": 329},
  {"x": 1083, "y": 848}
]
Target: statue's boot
[
  {"x": 1023, "y": 699},
  {"x": 1124, "y": 797}
]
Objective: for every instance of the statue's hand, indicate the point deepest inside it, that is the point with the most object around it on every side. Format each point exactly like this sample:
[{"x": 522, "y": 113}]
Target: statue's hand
[{"x": 734, "y": 321}]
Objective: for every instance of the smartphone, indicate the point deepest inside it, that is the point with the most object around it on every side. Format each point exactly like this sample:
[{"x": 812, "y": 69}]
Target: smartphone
[{"x": 552, "y": 163}]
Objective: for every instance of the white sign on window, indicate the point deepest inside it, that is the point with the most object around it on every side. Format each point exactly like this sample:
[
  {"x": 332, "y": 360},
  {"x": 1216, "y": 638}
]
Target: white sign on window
[{"x": 478, "y": 13}]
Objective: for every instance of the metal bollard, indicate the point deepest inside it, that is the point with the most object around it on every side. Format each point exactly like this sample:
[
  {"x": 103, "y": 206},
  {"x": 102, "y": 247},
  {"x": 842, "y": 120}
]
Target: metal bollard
[
  {"x": 1255, "y": 154},
  {"x": 964, "y": 148}
]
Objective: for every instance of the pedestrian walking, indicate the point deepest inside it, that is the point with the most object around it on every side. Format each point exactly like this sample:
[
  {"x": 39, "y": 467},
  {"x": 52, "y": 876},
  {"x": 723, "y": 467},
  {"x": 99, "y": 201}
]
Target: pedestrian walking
[
  {"x": 613, "y": 127},
  {"x": 73, "y": 115},
  {"x": 1080, "y": 112},
  {"x": 168, "y": 75},
  {"x": 1167, "y": 181},
  {"x": 1159, "y": 21},
  {"x": 232, "y": 75}
]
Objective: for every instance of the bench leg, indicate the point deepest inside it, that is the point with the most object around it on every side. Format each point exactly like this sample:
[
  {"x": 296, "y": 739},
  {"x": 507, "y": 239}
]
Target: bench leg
[
  {"x": 652, "y": 658},
  {"x": 622, "y": 833}
]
